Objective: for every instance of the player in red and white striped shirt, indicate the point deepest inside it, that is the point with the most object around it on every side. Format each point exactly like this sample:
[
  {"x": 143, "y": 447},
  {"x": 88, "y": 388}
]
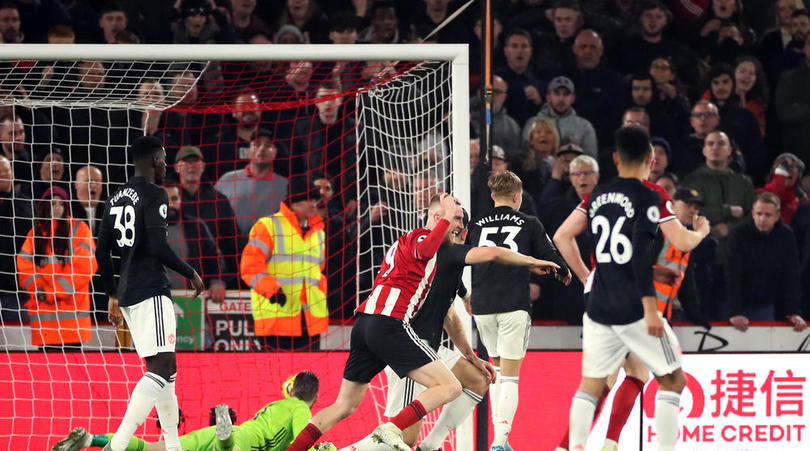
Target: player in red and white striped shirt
[{"x": 382, "y": 333}]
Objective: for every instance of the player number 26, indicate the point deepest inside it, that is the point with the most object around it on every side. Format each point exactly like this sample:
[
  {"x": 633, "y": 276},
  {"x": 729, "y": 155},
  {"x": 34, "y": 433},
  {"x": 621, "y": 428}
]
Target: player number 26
[
  {"x": 620, "y": 250},
  {"x": 125, "y": 224},
  {"x": 510, "y": 231}
]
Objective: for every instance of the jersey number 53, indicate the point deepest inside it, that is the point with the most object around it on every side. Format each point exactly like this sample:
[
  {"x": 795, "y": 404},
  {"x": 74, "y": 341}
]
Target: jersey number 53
[{"x": 510, "y": 232}]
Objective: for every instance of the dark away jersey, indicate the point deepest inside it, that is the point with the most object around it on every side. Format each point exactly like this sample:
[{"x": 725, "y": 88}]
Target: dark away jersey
[
  {"x": 498, "y": 288},
  {"x": 129, "y": 213},
  {"x": 623, "y": 217},
  {"x": 429, "y": 320}
]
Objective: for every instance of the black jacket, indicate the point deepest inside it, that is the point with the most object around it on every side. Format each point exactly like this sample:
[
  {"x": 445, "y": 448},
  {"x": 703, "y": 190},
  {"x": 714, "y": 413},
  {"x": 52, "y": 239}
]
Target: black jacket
[{"x": 762, "y": 269}]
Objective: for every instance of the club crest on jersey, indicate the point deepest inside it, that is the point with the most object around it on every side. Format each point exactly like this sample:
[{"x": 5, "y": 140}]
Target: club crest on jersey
[
  {"x": 163, "y": 210},
  {"x": 653, "y": 214},
  {"x": 613, "y": 198}
]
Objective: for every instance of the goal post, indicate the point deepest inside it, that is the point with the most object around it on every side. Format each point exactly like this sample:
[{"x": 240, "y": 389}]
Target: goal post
[{"x": 49, "y": 392}]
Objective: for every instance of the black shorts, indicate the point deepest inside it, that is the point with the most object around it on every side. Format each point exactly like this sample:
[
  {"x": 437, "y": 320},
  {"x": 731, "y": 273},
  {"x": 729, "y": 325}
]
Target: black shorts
[{"x": 379, "y": 340}]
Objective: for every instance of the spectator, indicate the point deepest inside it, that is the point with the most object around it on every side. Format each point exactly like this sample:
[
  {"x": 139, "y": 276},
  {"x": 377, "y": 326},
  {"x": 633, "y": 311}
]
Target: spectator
[
  {"x": 559, "y": 181},
  {"x": 534, "y": 166},
  {"x": 87, "y": 205},
  {"x": 16, "y": 149},
  {"x": 306, "y": 15},
  {"x": 783, "y": 181},
  {"x": 635, "y": 53},
  {"x": 662, "y": 156},
  {"x": 674, "y": 271},
  {"x": 326, "y": 142},
  {"x": 721, "y": 27},
  {"x": 244, "y": 20},
  {"x": 644, "y": 94},
  {"x": 190, "y": 239},
  {"x": 289, "y": 34},
  {"x": 752, "y": 88},
  {"x": 772, "y": 44},
  {"x": 568, "y": 302},
  {"x": 199, "y": 24},
  {"x": 61, "y": 34},
  {"x": 705, "y": 119},
  {"x": 113, "y": 19},
  {"x": 230, "y": 148},
  {"x": 343, "y": 28},
  {"x": 561, "y": 95},
  {"x": 599, "y": 89},
  {"x": 15, "y": 222},
  {"x": 179, "y": 127},
  {"x": 669, "y": 182},
  {"x": 762, "y": 269},
  {"x": 500, "y": 163},
  {"x": 524, "y": 93},
  {"x": 83, "y": 19},
  {"x": 150, "y": 94},
  {"x": 283, "y": 265},
  {"x": 794, "y": 54},
  {"x": 739, "y": 123},
  {"x": 792, "y": 104},
  {"x": 553, "y": 53},
  {"x": 254, "y": 191},
  {"x": 51, "y": 172},
  {"x": 201, "y": 200},
  {"x": 433, "y": 14},
  {"x": 384, "y": 25},
  {"x": 635, "y": 116},
  {"x": 504, "y": 130},
  {"x": 55, "y": 266},
  {"x": 671, "y": 93},
  {"x": 728, "y": 195},
  {"x": 38, "y": 17},
  {"x": 10, "y": 23}
]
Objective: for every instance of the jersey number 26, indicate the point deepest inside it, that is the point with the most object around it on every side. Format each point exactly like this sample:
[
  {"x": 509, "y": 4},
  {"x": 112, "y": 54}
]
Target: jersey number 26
[
  {"x": 621, "y": 249},
  {"x": 125, "y": 224}
]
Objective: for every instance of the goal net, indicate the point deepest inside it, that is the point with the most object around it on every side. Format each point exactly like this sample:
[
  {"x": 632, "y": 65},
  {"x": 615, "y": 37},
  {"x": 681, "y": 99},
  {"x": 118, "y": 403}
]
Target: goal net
[{"x": 374, "y": 130}]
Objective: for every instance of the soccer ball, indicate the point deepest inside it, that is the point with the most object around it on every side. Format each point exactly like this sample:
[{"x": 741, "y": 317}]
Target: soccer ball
[{"x": 287, "y": 386}]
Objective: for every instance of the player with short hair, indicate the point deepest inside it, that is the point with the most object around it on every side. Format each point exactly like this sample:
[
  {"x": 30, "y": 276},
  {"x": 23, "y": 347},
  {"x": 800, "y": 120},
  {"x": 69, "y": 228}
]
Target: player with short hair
[
  {"x": 382, "y": 335},
  {"x": 636, "y": 373},
  {"x": 272, "y": 428},
  {"x": 134, "y": 223},
  {"x": 500, "y": 295},
  {"x": 621, "y": 313},
  {"x": 436, "y": 316}
]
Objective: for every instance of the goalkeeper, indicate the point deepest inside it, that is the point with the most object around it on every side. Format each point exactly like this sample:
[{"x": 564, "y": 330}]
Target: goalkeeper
[{"x": 273, "y": 428}]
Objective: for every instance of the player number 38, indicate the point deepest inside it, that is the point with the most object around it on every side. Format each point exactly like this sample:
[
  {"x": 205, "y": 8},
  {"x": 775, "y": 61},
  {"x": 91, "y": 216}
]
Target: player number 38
[
  {"x": 125, "y": 224},
  {"x": 620, "y": 250}
]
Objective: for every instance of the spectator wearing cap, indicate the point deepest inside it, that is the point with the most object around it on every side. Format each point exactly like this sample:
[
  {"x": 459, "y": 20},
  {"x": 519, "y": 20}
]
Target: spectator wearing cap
[
  {"x": 559, "y": 181},
  {"x": 15, "y": 222},
  {"x": 600, "y": 89},
  {"x": 245, "y": 21},
  {"x": 51, "y": 172},
  {"x": 289, "y": 34},
  {"x": 728, "y": 194},
  {"x": 201, "y": 200},
  {"x": 553, "y": 53},
  {"x": 55, "y": 266},
  {"x": 573, "y": 128},
  {"x": 525, "y": 91},
  {"x": 254, "y": 191},
  {"x": 88, "y": 185},
  {"x": 662, "y": 156},
  {"x": 283, "y": 263},
  {"x": 762, "y": 269},
  {"x": 674, "y": 274},
  {"x": 504, "y": 130},
  {"x": 783, "y": 180},
  {"x": 199, "y": 24},
  {"x": 481, "y": 198}
]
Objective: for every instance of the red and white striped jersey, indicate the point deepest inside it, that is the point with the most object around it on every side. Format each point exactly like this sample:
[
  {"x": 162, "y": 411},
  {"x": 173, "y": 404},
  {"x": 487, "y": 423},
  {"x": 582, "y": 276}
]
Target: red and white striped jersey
[{"x": 403, "y": 281}]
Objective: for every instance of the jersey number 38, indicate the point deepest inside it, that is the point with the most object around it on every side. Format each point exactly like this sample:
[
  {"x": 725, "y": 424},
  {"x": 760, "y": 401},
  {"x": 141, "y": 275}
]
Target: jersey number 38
[{"x": 125, "y": 224}]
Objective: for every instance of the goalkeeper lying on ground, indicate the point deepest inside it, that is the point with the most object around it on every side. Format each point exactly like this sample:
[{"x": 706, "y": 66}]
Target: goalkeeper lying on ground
[{"x": 272, "y": 429}]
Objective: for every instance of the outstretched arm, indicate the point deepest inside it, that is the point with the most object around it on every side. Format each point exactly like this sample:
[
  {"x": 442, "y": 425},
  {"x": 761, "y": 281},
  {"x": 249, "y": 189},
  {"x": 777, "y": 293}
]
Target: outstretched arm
[
  {"x": 505, "y": 256},
  {"x": 682, "y": 238}
]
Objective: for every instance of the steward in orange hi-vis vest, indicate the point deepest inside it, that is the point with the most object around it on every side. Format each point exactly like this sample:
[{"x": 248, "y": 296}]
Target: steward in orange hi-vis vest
[{"x": 57, "y": 275}]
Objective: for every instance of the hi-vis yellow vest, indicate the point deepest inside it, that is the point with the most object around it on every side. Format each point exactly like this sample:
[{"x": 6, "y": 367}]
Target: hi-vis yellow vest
[{"x": 278, "y": 256}]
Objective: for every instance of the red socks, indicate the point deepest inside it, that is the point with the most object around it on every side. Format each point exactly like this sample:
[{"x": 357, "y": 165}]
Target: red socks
[
  {"x": 622, "y": 405},
  {"x": 306, "y": 438},
  {"x": 564, "y": 441},
  {"x": 412, "y": 413}
]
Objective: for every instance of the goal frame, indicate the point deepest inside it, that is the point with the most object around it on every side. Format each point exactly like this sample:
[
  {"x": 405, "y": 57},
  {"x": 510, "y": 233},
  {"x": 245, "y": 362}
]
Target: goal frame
[{"x": 455, "y": 54}]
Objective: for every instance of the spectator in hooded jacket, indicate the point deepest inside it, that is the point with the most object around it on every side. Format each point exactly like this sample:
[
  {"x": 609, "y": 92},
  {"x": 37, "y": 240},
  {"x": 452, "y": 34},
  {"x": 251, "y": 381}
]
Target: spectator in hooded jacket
[{"x": 783, "y": 180}]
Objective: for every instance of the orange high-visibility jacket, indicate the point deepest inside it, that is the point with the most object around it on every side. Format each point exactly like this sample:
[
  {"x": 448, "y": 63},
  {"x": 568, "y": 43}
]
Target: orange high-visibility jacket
[
  {"x": 279, "y": 256},
  {"x": 670, "y": 257},
  {"x": 65, "y": 283}
]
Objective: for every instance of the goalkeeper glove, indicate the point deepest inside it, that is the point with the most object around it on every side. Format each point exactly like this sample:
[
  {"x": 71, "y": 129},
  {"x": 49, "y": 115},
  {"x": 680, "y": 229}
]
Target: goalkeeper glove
[{"x": 278, "y": 298}]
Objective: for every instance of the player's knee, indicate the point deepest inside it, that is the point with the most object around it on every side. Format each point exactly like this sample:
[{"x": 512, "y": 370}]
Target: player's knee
[
  {"x": 163, "y": 364},
  {"x": 673, "y": 382},
  {"x": 477, "y": 383},
  {"x": 453, "y": 389}
]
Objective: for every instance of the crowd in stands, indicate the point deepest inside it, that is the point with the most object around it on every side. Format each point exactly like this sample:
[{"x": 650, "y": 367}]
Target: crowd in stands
[{"x": 721, "y": 86}]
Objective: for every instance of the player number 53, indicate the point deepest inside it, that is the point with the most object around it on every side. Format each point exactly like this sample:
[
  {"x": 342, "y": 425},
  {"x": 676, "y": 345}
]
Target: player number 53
[
  {"x": 510, "y": 231},
  {"x": 620, "y": 250}
]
